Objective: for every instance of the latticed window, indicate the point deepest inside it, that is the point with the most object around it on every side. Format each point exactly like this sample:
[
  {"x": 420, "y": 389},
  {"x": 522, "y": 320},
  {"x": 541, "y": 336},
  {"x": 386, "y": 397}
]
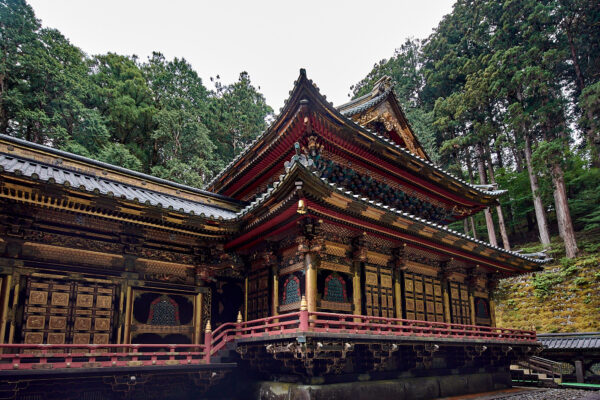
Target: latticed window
[
  {"x": 291, "y": 290},
  {"x": 335, "y": 289},
  {"x": 164, "y": 311}
]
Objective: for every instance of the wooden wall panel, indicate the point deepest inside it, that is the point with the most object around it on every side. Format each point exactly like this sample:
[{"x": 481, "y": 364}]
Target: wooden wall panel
[
  {"x": 459, "y": 303},
  {"x": 379, "y": 291},
  {"x": 258, "y": 294},
  {"x": 423, "y": 299},
  {"x": 59, "y": 311}
]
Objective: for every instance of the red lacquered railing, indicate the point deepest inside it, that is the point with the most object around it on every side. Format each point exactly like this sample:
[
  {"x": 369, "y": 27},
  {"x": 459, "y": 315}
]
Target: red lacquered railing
[
  {"x": 23, "y": 356},
  {"x": 263, "y": 327},
  {"x": 55, "y": 356},
  {"x": 362, "y": 324}
]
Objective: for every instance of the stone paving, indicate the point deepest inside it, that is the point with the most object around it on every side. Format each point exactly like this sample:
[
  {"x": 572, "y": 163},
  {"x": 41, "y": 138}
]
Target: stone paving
[{"x": 554, "y": 394}]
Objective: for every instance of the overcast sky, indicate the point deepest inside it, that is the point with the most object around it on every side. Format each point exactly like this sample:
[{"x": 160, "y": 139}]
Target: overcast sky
[{"x": 336, "y": 41}]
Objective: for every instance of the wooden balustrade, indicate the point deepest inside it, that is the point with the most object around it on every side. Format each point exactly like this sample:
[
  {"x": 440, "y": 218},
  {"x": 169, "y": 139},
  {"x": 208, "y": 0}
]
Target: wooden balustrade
[
  {"x": 36, "y": 356},
  {"x": 56, "y": 356}
]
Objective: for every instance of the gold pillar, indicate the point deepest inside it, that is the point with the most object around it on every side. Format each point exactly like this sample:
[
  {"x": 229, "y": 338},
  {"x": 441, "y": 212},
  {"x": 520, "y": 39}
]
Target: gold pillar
[
  {"x": 5, "y": 297},
  {"x": 356, "y": 292},
  {"x": 275, "y": 300},
  {"x": 127, "y": 321},
  {"x": 311, "y": 282},
  {"x": 246, "y": 299},
  {"x": 15, "y": 303},
  {"x": 492, "y": 312},
  {"x": 398, "y": 293},
  {"x": 446, "y": 294},
  {"x": 121, "y": 302},
  {"x": 198, "y": 319},
  {"x": 472, "y": 306}
]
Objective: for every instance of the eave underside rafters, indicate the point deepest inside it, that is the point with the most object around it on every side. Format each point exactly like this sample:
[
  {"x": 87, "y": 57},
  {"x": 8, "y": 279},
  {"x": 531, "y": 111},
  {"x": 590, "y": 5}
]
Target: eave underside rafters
[{"x": 63, "y": 199}]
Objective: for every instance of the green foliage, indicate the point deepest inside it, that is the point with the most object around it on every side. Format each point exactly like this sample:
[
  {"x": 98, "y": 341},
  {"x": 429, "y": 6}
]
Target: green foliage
[
  {"x": 495, "y": 73},
  {"x": 154, "y": 117},
  {"x": 544, "y": 283}
]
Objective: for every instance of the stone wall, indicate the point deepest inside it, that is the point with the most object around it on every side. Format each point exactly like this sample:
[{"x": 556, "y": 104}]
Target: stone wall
[{"x": 562, "y": 298}]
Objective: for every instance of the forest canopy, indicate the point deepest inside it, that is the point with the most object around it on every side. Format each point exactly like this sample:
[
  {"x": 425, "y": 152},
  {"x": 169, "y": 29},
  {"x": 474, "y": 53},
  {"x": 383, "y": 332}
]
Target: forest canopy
[
  {"x": 508, "y": 92},
  {"x": 154, "y": 115}
]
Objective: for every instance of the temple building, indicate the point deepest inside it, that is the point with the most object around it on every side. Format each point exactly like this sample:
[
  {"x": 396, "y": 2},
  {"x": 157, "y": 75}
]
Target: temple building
[{"x": 321, "y": 255}]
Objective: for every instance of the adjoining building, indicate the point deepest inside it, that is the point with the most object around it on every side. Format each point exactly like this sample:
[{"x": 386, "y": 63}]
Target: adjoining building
[{"x": 320, "y": 255}]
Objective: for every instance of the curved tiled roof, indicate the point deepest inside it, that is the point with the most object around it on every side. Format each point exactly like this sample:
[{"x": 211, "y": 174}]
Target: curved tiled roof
[
  {"x": 570, "y": 341},
  {"x": 348, "y": 110},
  {"x": 297, "y": 165},
  {"x": 349, "y": 121},
  {"x": 92, "y": 184}
]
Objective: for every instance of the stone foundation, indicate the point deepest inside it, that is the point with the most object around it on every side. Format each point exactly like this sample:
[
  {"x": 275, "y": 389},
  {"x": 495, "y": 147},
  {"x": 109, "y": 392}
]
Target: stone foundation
[{"x": 421, "y": 388}]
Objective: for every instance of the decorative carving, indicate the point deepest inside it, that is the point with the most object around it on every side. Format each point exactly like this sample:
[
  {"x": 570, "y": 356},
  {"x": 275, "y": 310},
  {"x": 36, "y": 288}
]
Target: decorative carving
[
  {"x": 365, "y": 185},
  {"x": 76, "y": 242}
]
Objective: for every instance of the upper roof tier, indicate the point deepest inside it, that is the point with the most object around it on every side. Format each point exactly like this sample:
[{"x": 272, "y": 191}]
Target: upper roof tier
[
  {"x": 380, "y": 111},
  {"x": 384, "y": 148}
]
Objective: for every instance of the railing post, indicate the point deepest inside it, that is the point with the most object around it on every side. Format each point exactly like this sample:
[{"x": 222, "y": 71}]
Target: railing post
[
  {"x": 238, "y": 325},
  {"x": 303, "y": 315},
  {"x": 207, "y": 342}
]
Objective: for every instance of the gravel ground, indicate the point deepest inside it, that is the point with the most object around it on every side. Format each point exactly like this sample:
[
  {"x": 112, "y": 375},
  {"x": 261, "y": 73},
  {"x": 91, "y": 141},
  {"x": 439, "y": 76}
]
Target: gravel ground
[{"x": 555, "y": 394}]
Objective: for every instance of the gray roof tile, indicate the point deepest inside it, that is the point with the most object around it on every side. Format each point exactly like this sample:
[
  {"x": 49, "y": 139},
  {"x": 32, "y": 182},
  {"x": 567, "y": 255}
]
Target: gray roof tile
[
  {"x": 93, "y": 184},
  {"x": 578, "y": 340}
]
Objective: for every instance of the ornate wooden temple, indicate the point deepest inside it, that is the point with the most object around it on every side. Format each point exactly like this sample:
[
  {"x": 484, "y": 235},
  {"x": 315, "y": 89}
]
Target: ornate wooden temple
[{"x": 321, "y": 255}]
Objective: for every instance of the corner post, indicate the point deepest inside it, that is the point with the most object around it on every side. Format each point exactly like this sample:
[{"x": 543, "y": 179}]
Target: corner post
[
  {"x": 207, "y": 342},
  {"x": 303, "y": 315},
  {"x": 444, "y": 275},
  {"x": 311, "y": 282},
  {"x": 359, "y": 255}
]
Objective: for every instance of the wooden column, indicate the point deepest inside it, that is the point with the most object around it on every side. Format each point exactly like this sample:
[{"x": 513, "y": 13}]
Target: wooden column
[
  {"x": 311, "y": 281},
  {"x": 246, "y": 299},
  {"x": 398, "y": 265},
  {"x": 198, "y": 319},
  {"x": 472, "y": 306},
  {"x": 6, "y": 287},
  {"x": 121, "y": 310},
  {"x": 444, "y": 275},
  {"x": 275, "y": 279},
  {"x": 579, "y": 371},
  {"x": 447, "y": 315},
  {"x": 15, "y": 303},
  {"x": 127, "y": 321},
  {"x": 492, "y": 312},
  {"x": 356, "y": 287},
  {"x": 492, "y": 281},
  {"x": 398, "y": 292},
  {"x": 359, "y": 255}
]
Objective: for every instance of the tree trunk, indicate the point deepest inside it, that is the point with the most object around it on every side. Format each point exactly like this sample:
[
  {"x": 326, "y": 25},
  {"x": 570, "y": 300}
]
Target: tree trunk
[
  {"x": 501, "y": 223},
  {"x": 540, "y": 213},
  {"x": 489, "y": 221},
  {"x": 470, "y": 171},
  {"x": 563, "y": 215},
  {"x": 473, "y": 227},
  {"x": 466, "y": 226}
]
